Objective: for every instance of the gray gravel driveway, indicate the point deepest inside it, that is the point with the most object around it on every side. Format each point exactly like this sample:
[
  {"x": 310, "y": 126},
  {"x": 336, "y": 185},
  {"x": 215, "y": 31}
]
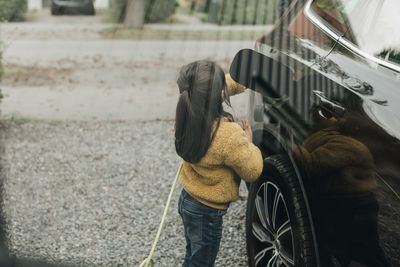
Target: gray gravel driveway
[
  {"x": 92, "y": 194},
  {"x": 89, "y": 188}
]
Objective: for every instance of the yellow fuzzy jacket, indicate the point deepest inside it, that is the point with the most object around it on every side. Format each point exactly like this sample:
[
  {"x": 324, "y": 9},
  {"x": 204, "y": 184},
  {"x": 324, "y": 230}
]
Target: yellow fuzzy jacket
[
  {"x": 338, "y": 163},
  {"x": 214, "y": 180}
]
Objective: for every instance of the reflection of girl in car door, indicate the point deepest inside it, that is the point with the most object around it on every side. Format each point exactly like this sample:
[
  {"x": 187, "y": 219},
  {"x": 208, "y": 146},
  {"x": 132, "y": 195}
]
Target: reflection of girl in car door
[{"x": 342, "y": 175}]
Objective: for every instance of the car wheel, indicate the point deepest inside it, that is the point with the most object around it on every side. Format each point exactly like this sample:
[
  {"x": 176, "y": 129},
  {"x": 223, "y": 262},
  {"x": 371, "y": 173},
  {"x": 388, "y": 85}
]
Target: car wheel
[
  {"x": 55, "y": 10},
  {"x": 278, "y": 230},
  {"x": 89, "y": 10}
]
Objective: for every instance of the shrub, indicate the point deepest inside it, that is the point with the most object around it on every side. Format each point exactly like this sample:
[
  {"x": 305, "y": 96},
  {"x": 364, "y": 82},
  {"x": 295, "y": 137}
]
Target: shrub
[
  {"x": 247, "y": 11},
  {"x": 159, "y": 10},
  {"x": 155, "y": 10},
  {"x": 117, "y": 10},
  {"x": 12, "y": 10}
]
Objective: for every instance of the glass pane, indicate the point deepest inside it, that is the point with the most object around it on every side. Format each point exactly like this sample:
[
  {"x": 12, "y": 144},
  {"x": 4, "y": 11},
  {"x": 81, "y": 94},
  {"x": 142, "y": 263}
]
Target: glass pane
[{"x": 369, "y": 24}]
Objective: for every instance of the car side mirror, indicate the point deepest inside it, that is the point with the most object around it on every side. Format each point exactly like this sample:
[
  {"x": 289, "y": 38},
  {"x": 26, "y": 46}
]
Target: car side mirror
[
  {"x": 257, "y": 72},
  {"x": 264, "y": 75}
]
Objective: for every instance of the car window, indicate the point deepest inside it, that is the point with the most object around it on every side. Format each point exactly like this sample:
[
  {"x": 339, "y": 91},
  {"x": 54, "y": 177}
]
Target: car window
[
  {"x": 332, "y": 12},
  {"x": 381, "y": 36},
  {"x": 369, "y": 24}
]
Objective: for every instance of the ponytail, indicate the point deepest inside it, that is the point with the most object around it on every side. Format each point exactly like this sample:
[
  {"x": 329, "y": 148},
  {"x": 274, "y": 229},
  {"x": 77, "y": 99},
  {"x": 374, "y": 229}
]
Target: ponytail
[
  {"x": 183, "y": 112},
  {"x": 199, "y": 106}
]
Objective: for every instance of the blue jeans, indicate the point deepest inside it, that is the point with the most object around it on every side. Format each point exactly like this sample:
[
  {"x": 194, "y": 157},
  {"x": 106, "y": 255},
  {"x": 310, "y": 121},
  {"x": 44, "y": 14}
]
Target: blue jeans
[{"x": 203, "y": 231}]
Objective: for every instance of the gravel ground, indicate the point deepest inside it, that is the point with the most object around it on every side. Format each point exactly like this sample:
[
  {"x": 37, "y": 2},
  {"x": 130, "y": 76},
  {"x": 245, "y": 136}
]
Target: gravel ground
[{"x": 92, "y": 194}]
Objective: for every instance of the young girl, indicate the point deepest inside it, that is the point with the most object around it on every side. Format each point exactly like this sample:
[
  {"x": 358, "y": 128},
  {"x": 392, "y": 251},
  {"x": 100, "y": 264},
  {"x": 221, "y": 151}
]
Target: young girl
[{"x": 216, "y": 153}]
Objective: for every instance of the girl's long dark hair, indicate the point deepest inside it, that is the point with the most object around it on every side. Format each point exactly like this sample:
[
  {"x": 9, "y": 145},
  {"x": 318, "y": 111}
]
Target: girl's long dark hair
[{"x": 199, "y": 106}]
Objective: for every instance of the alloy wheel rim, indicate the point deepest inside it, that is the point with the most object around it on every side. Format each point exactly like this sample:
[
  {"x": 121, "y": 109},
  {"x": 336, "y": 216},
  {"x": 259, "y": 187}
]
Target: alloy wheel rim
[{"x": 271, "y": 228}]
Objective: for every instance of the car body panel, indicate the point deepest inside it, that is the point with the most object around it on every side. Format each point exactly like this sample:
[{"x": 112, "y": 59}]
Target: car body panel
[
  {"x": 72, "y": 3},
  {"x": 375, "y": 96},
  {"x": 304, "y": 72}
]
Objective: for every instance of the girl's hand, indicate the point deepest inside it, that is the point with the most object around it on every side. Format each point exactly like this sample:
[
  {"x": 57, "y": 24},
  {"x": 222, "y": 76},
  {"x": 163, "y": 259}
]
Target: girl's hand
[
  {"x": 247, "y": 129},
  {"x": 234, "y": 88}
]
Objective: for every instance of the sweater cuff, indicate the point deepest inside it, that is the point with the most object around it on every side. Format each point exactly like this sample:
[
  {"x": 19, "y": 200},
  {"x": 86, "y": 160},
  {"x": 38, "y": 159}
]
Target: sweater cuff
[{"x": 234, "y": 88}]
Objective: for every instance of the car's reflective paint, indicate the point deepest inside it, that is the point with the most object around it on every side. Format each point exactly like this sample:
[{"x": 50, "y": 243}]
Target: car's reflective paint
[{"x": 307, "y": 65}]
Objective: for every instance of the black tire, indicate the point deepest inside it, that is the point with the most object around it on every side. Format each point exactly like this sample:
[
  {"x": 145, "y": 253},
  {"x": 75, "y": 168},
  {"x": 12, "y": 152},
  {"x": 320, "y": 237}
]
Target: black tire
[
  {"x": 278, "y": 229},
  {"x": 89, "y": 10},
  {"x": 55, "y": 10}
]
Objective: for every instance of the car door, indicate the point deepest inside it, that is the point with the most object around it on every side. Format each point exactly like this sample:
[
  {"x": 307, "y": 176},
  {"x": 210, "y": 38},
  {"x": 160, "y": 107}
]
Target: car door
[
  {"x": 366, "y": 63},
  {"x": 315, "y": 74},
  {"x": 287, "y": 68}
]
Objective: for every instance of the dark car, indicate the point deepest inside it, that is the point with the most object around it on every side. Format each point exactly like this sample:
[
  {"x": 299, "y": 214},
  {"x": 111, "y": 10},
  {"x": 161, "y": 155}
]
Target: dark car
[
  {"x": 325, "y": 112},
  {"x": 72, "y": 7}
]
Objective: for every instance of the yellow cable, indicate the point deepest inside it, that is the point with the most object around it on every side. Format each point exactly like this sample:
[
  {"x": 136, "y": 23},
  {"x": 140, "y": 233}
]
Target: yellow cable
[{"x": 149, "y": 259}]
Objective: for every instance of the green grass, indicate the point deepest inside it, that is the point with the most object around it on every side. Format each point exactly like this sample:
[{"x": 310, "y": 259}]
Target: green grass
[
  {"x": 12, "y": 71},
  {"x": 21, "y": 120},
  {"x": 17, "y": 119},
  {"x": 120, "y": 32}
]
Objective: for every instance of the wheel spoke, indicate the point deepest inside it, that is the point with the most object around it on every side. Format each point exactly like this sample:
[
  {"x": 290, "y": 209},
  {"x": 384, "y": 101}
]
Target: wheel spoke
[
  {"x": 260, "y": 233},
  {"x": 272, "y": 260},
  {"x": 283, "y": 229},
  {"x": 266, "y": 203},
  {"x": 287, "y": 229},
  {"x": 272, "y": 228},
  {"x": 278, "y": 196},
  {"x": 260, "y": 210},
  {"x": 286, "y": 259},
  {"x": 260, "y": 255},
  {"x": 284, "y": 262}
]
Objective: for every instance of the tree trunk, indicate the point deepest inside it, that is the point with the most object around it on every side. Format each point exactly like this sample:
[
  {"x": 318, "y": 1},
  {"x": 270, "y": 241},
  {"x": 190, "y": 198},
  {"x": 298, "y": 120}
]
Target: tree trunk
[{"x": 134, "y": 16}]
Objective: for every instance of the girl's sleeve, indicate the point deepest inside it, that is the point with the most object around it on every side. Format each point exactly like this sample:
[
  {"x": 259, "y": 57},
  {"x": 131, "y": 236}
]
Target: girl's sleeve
[
  {"x": 242, "y": 156},
  {"x": 234, "y": 88},
  {"x": 332, "y": 151}
]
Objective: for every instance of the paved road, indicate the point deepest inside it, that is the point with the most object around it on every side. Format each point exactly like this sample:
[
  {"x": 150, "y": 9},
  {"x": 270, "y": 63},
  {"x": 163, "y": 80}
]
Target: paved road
[{"x": 70, "y": 72}]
